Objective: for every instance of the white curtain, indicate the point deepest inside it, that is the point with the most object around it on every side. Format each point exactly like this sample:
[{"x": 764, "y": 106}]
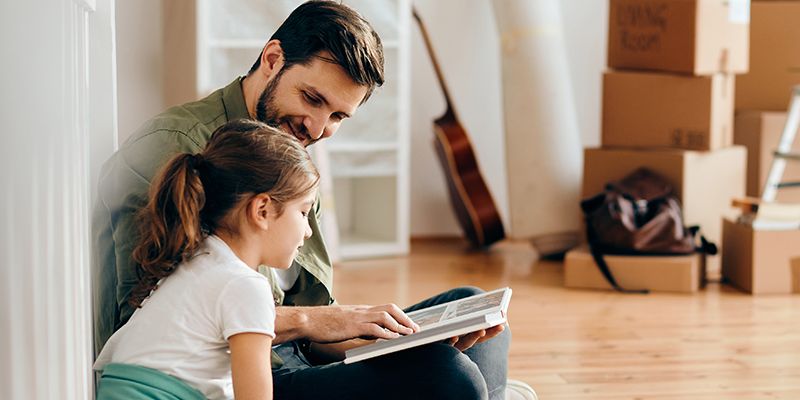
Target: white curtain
[{"x": 58, "y": 114}]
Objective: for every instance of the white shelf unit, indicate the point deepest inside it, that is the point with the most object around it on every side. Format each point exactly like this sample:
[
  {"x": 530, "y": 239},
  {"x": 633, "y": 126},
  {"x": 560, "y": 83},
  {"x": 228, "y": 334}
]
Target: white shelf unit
[{"x": 369, "y": 155}]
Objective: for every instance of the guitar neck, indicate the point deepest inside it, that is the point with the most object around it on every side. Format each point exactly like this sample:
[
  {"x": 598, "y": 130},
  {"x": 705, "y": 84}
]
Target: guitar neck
[{"x": 433, "y": 60}]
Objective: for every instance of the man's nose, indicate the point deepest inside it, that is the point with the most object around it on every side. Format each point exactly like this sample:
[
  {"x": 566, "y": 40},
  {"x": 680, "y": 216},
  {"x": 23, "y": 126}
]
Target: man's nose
[{"x": 316, "y": 125}]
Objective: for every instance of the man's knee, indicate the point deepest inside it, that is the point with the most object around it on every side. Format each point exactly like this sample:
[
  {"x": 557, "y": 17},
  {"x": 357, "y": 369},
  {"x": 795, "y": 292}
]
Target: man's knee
[
  {"x": 503, "y": 339},
  {"x": 466, "y": 291},
  {"x": 451, "y": 374}
]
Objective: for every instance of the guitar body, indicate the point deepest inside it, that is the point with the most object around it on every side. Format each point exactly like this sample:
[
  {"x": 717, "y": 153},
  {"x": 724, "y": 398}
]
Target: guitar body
[{"x": 469, "y": 195}]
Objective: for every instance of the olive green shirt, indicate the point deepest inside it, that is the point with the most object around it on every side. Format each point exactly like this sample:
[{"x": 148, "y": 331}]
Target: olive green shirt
[{"x": 124, "y": 183}]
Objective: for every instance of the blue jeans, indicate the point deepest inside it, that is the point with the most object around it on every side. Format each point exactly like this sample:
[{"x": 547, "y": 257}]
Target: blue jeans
[{"x": 434, "y": 371}]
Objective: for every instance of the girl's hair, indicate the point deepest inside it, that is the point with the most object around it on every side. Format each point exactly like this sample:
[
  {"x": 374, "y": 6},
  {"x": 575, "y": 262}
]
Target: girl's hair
[{"x": 194, "y": 193}]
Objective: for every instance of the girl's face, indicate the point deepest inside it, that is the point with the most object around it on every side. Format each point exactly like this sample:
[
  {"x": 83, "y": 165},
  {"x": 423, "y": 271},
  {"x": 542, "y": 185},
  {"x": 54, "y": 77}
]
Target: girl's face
[{"x": 287, "y": 232}]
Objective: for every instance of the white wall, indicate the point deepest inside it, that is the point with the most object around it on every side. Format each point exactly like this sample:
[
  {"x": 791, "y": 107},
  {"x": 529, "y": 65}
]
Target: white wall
[
  {"x": 465, "y": 37},
  {"x": 139, "y": 63}
]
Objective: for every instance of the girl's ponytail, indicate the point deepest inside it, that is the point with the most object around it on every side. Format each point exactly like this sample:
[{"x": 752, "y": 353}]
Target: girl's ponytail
[
  {"x": 170, "y": 225},
  {"x": 194, "y": 194}
]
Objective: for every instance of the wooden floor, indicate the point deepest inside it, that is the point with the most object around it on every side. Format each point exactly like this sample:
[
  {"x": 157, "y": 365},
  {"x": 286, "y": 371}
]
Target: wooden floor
[{"x": 575, "y": 344}]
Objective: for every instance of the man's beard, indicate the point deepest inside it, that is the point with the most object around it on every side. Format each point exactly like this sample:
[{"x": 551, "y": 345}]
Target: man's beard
[
  {"x": 266, "y": 109},
  {"x": 267, "y": 112}
]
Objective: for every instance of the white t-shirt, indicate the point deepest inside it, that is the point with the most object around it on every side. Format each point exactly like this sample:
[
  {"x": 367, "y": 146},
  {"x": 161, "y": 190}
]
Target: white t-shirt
[{"x": 183, "y": 328}]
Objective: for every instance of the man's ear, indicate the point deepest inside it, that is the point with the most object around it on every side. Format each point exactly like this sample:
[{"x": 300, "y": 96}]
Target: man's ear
[
  {"x": 260, "y": 209},
  {"x": 271, "y": 58}
]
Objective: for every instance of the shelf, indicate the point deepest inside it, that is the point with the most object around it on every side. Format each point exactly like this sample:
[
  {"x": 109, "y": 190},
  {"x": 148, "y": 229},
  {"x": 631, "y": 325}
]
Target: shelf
[
  {"x": 367, "y": 212},
  {"x": 258, "y": 43},
  {"x": 259, "y": 18},
  {"x": 237, "y": 43},
  {"x": 352, "y": 247},
  {"x": 364, "y": 172},
  {"x": 364, "y": 164},
  {"x": 360, "y": 147}
]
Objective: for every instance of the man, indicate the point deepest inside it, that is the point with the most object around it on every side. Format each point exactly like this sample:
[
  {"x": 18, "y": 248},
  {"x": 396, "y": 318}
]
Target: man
[{"x": 318, "y": 67}]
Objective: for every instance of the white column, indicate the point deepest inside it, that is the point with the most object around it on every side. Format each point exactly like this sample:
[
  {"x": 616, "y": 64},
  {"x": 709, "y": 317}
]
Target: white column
[{"x": 543, "y": 146}]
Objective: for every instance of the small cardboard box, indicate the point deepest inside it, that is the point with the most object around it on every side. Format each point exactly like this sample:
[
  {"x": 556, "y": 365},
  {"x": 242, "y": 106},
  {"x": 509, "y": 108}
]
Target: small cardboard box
[
  {"x": 774, "y": 57},
  {"x": 760, "y": 132},
  {"x": 698, "y": 37},
  {"x": 657, "y": 273},
  {"x": 646, "y": 110},
  {"x": 796, "y": 275},
  {"x": 759, "y": 261},
  {"x": 705, "y": 182}
]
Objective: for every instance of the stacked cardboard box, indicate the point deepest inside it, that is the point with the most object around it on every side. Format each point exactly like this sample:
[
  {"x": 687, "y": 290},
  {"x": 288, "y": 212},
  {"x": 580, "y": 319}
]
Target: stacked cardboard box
[
  {"x": 758, "y": 260},
  {"x": 761, "y": 261},
  {"x": 796, "y": 275},
  {"x": 678, "y": 273},
  {"x": 762, "y": 95},
  {"x": 668, "y": 101},
  {"x": 774, "y": 56},
  {"x": 760, "y": 131}
]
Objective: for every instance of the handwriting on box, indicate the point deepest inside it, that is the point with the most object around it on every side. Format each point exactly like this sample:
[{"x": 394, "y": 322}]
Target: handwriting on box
[
  {"x": 689, "y": 138},
  {"x": 641, "y": 26}
]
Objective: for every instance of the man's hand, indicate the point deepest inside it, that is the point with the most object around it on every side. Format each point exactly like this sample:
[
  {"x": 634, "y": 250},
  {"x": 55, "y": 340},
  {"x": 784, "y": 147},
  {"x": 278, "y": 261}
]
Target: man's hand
[
  {"x": 463, "y": 343},
  {"x": 330, "y": 324}
]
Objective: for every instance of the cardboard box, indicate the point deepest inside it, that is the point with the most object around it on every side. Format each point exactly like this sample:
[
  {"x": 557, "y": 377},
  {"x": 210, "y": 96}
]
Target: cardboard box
[
  {"x": 774, "y": 57},
  {"x": 705, "y": 182},
  {"x": 698, "y": 37},
  {"x": 657, "y": 273},
  {"x": 760, "y": 132},
  {"x": 645, "y": 110},
  {"x": 795, "y": 275},
  {"x": 758, "y": 261}
]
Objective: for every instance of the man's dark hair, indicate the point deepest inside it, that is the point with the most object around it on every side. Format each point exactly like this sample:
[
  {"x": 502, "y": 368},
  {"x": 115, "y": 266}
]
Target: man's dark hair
[{"x": 323, "y": 25}]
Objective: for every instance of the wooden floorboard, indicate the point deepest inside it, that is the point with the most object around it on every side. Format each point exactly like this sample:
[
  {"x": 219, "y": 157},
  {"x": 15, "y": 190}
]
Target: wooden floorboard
[{"x": 589, "y": 344}]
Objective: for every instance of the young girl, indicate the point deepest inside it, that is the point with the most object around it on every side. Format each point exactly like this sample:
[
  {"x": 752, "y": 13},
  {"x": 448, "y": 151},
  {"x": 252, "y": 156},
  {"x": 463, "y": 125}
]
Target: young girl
[{"x": 206, "y": 316}]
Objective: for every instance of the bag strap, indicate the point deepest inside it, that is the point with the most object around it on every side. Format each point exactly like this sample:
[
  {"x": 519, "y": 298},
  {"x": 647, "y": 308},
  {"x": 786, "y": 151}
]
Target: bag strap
[
  {"x": 601, "y": 263},
  {"x": 706, "y": 248}
]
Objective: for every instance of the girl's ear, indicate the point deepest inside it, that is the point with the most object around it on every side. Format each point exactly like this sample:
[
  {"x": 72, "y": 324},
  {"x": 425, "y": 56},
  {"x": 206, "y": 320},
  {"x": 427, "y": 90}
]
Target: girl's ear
[{"x": 260, "y": 210}]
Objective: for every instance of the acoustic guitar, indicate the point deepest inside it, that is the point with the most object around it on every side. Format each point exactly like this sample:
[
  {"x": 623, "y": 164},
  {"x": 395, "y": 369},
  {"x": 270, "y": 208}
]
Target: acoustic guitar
[{"x": 473, "y": 203}]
